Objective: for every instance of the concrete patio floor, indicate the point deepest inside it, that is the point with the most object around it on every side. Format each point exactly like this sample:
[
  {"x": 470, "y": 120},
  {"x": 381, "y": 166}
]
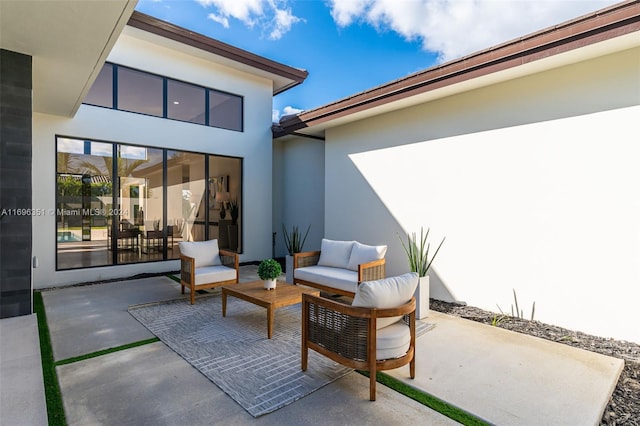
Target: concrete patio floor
[{"x": 500, "y": 376}]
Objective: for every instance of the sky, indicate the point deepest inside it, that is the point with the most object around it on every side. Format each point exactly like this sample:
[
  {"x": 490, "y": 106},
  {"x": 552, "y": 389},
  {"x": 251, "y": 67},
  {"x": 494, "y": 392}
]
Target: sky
[{"x": 348, "y": 46}]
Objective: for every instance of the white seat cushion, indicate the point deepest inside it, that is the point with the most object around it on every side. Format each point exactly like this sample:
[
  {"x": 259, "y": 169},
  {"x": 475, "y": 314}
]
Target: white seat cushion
[
  {"x": 212, "y": 274},
  {"x": 339, "y": 278},
  {"x": 386, "y": 293},
  {"x": 335, "y": 253},
  {"x": 205, "y": 253},
  {"x": 393, "y": 341},
  {"x": 362, "y": 253}
]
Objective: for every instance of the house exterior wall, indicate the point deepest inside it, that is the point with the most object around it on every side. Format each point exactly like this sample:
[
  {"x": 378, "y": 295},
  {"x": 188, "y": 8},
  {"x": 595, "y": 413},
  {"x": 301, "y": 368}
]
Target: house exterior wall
[
  {"x": 533, "y": 181},
  {"x": 298, "y": 172},
  {"x": 253, "y": 145}
]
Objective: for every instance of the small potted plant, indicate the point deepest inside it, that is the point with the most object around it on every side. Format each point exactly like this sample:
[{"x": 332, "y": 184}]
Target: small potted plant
[
  {"x": 268, "y": 271},
  {"x": 418, "y": 256},
  {"x": 294, "y": 243}
]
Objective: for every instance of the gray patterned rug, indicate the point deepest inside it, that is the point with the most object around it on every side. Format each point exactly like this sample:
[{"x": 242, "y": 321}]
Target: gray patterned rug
[{"x": 261, "y": 375}]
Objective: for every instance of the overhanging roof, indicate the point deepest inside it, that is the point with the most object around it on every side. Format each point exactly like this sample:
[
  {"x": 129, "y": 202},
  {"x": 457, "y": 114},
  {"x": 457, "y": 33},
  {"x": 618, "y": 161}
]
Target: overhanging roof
[
  {"x": 608, "y": 30},
  {"x": 69, "y": 40},
  {"x": 283, "y": 76}
]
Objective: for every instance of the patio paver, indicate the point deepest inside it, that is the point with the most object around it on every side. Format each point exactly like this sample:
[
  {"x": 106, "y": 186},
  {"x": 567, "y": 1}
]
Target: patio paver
[{"x": 501, "y": 376}]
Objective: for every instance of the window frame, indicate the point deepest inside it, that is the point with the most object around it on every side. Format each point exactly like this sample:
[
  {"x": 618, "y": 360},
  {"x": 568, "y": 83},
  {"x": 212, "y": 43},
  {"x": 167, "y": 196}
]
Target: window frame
[{"x": 165, "y": 83}]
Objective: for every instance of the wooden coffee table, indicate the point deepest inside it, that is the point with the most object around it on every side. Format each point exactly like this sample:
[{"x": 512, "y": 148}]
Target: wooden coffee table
[{"x": 254, "y": 292}]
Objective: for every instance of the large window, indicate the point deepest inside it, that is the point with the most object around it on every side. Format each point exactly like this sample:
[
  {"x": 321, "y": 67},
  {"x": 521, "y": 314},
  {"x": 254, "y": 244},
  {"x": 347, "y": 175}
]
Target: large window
[
  {"x": 151, "y": 94},
  {"x": 140, "y": 92},
  {"x": 138, "y": 207},
  {"x": 101, "y": 93},
  {"x": 185, "y": 102},
  {"x": 225, "y": 110}
]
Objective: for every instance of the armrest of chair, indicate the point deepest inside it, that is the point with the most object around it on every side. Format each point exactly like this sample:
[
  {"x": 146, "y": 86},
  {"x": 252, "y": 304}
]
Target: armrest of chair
[
  {"x": 307, "y": 258},
  {"x": 359, "y": 311},
  {"x": 230, "y": 259},
  {"x": 371, "y": 271},
  {"x": 187, "y": 269},
  {"x": 344, "y": 329}
]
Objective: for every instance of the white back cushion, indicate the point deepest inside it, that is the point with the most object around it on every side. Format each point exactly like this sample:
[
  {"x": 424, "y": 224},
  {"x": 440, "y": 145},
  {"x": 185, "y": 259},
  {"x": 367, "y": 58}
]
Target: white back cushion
[
  {"x": 205, "y": 253},
  {"x": 386, "y": 293},
  {"x": 361, "y": 253},
  {"x": 335, "y": 253}
]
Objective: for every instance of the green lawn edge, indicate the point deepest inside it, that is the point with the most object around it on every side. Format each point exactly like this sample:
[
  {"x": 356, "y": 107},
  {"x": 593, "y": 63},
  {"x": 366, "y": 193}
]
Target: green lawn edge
[
  {"x": 428, "y": 400},
  {"x": 106, "y": 351},
  {"x": 53, "y": 396},
  {"x": 173, "y": 277}
]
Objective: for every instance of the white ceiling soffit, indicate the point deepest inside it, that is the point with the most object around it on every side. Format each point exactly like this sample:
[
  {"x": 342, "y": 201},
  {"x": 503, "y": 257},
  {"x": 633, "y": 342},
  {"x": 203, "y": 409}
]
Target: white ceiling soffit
[{"x": 69, "y": 40}]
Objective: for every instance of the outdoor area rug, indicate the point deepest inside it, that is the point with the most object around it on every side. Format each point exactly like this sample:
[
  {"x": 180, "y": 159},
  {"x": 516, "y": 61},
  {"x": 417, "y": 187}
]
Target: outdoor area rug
[{"x": 260, "y": 374}]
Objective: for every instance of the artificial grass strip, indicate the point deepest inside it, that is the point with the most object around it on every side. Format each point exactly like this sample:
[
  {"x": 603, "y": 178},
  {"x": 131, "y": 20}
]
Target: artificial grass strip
[
  {"x": 428, "y": 400},
  {"x": 106, "y": 351},
  {"x": 53, "y": 396},
  {"x": 173, "y": 277}
]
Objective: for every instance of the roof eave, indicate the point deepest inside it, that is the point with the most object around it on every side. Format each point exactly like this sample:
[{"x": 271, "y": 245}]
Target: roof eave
[
  {"x": 608, "y": 23},
  {"x": 182, "y": 35}
]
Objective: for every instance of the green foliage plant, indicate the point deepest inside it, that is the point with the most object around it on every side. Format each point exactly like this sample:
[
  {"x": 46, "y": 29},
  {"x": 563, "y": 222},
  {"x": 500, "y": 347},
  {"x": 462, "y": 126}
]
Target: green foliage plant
[
  {"x": 516, "y": 312},
  {"x": 234, "y": 210},
  {"x": 294, "y": 241},
  {"x": 418, "y": 252},
  {"x": 269, "y": 269}
]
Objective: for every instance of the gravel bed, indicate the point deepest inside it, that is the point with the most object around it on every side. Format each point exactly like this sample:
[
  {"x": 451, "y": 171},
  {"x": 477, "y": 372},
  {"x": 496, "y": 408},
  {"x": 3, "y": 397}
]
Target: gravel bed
[{"x": 624, "y": 405}]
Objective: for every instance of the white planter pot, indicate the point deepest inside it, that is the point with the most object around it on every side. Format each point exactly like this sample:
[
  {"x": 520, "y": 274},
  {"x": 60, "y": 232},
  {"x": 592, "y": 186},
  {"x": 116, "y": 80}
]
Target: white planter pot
[
  {"x": 289, "y": 268},
  {"x": 422, "y": 298},
  {"x": 269, "y": 284}
]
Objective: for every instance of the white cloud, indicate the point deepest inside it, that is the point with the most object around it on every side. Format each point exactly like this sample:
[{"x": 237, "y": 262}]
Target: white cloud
[
  {"x": 288, "y": 110},
  {"x": 283, "y": 21},
  {"x": 245, "y": 11},
  {"x": 454, "y": 28},
  {"x": 219, "y": 19},
  {"x": 273, "y": 16}
]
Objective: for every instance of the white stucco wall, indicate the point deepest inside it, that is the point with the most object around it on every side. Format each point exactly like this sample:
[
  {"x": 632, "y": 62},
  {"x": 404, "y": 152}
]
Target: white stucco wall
[
  {"x": 534, "y": 182},
  {"x": 253, "y": 145},
  {"x": 299, "y": 178}
]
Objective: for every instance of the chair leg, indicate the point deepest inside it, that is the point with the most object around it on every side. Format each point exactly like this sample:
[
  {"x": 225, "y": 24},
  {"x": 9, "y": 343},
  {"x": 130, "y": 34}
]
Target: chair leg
[
  {"x": 182, "y": 285},
  {"x": 305, "y": 357},
  {"x": 372, "y": 384},
  {"x": 193, "y": 295},
  {"x": 412, "y": 368}
]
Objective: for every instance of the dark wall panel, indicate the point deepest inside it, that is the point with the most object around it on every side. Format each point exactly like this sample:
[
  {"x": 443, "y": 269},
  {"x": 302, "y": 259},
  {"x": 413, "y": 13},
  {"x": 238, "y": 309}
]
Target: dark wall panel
[{"x": 15, "y": 184}]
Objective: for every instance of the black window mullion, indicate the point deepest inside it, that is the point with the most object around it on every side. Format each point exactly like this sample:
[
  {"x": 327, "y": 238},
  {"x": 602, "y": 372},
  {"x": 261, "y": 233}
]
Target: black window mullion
[
  {"x": 115, "y": 85},
  {"x": 207, "y": 197},
  {"x": 165, "y": 97},
  {"x": 115, "y": 189},
  {"x": 206, "y": 106},
  {"x": 165, "y": 233}
]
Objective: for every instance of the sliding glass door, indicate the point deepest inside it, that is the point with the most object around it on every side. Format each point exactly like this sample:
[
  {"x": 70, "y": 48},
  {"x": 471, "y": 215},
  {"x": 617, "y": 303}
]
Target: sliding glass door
[{"x": 139, "y": 207}]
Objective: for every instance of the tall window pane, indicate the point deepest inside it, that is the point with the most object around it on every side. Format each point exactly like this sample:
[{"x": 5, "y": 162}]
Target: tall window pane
[
  {"x": 140, "y": 92},
  {"x": 225, "y": 207},
  {"x": 140, "y": 222},
  {"x": 186, "y": 196},
  {"x": 185, "y": 102},
  {"x": 225, "y": 110},
  {"x": 101, "y": 93},
  {"x": 84, "y": 187}
]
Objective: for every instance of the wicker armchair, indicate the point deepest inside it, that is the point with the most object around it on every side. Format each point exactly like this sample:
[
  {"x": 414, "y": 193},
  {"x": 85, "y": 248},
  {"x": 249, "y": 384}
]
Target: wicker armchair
[
  {"x": 203, "y": 265},
  {"x": 351, "y": 336}
]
